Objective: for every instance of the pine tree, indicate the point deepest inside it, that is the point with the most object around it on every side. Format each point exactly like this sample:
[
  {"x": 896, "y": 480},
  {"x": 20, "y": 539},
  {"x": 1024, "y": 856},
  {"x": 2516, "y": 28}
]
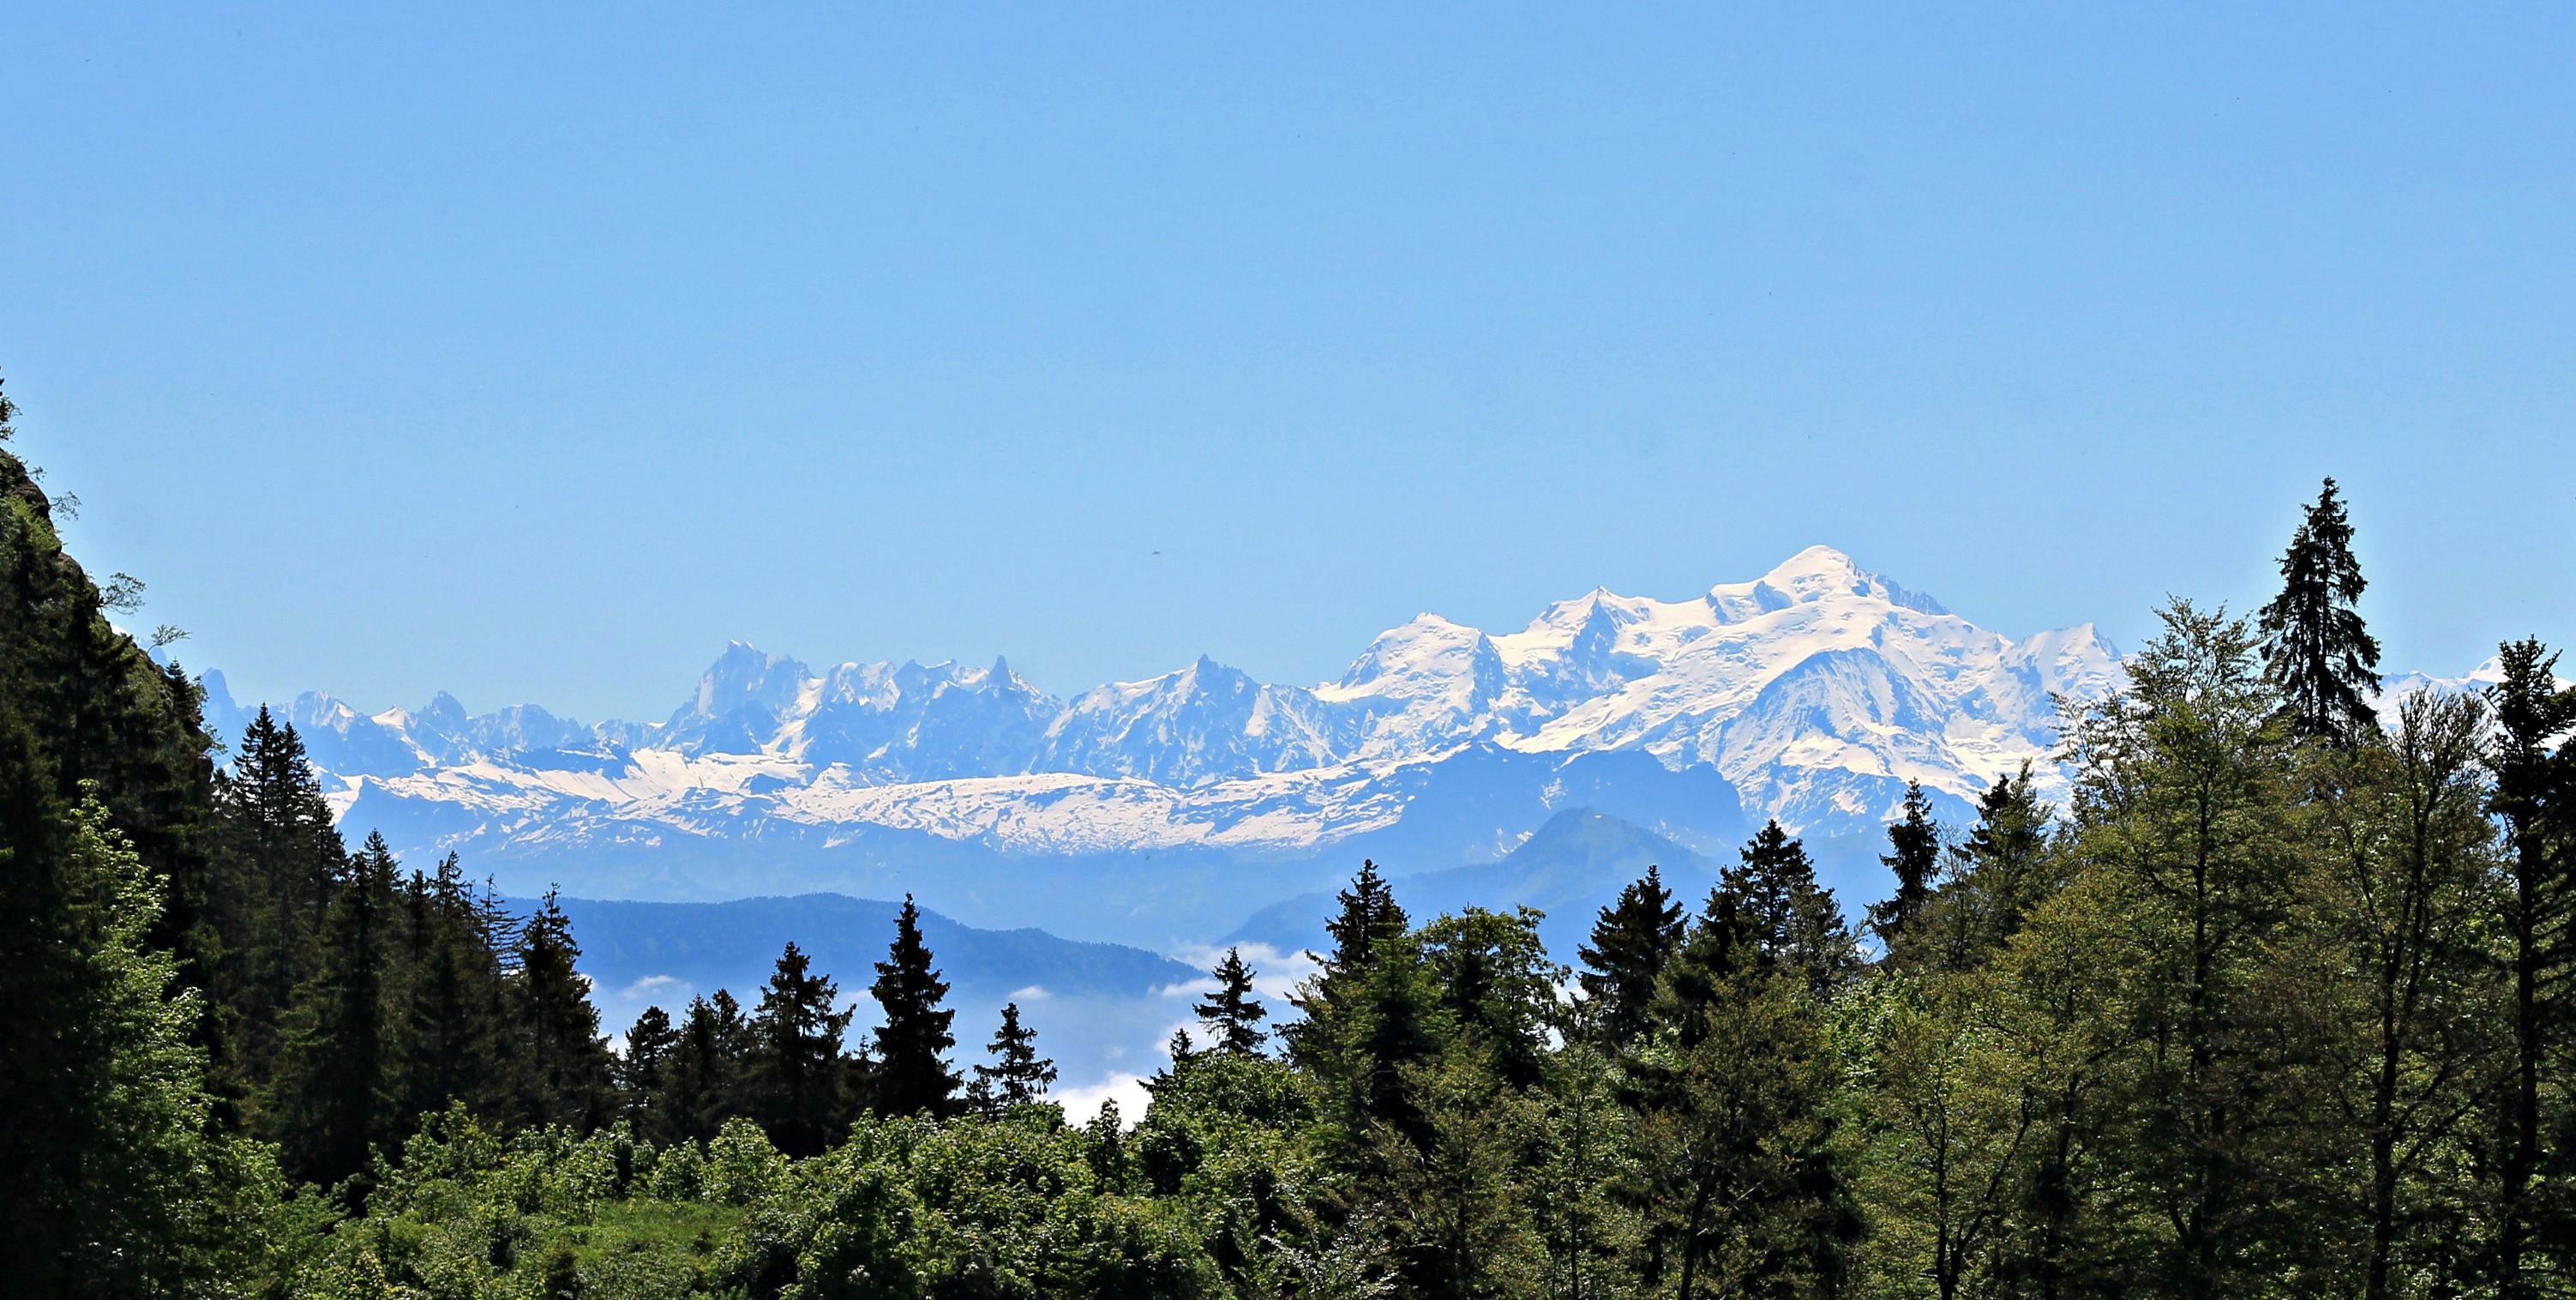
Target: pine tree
[
  {"x": 2316, "y": 652},
  {"x": 565, "y": 1069},
  {"x": 799, "y": 1085},
  {"x": 912, "y": 1074},
  {"x": 1019, "y": 1076},
  {"x": 1234, "y": 1010},
  {"x": 1631, "y": 943},
  {"x": 1794, "y": 922},
  {"x": 1914, "y": 858},
  {"x": 334, "y": 1101},
  {"x": 1366, "y": 923}
]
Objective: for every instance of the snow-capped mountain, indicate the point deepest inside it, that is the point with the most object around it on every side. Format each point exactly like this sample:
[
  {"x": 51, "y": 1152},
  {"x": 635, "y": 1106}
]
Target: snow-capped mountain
[{"x": 1812, "y": 694}]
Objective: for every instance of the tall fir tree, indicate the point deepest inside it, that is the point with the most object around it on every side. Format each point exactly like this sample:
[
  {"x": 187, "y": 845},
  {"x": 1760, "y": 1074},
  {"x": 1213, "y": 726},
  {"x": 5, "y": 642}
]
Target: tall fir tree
[
  {"x": 1997, "y": 873},
  {"x": 277, "y": 857},
  {"x": 1367, "y": 916},
  {"x": 799, "y": 1083},
  {"x": 912, "y": 1074},
  {"x": 2316, "y": 652},
  {"x": 454, "y": 1046},
  {"x": 565, "y": 1072},
  {"x": 644, "y": 1073},
  {"x": 334, "y": 1103},
  {"x": 1913, "y": 857},
  {"x": 1794, "y": 922},
  {"x": 1737, "y": 1185},
  {"x": 2535, "y": 797},
  {"x": 1233, "y": 1011},
  {"x": 1632, "y": 941},
  {"x": 1018, "y": 1075},
  {"x": 703, "y": 1082}
]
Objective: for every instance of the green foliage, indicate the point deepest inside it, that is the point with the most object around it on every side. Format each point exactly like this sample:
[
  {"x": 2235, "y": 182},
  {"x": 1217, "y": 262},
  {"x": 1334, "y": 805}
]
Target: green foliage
[{"x": 973, "y": 1207}]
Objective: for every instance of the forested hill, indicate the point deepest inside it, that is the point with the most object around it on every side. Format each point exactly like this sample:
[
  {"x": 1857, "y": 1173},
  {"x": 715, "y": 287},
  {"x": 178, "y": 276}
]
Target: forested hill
[{"x": 2275, "y": 1002}]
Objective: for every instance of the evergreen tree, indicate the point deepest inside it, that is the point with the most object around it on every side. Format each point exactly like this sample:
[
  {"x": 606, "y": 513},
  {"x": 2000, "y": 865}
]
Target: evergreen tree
[
  {"x": 566, "y": 1074},
  {"x": 799, "y": 1085},
  {"x": 2316, "y": 652},
  {"x": 1914, "y": 858},
  {"x": 2535, "y": 796},
  {"x": 1736, "y": 1180},
  {"x": 912, "y": 1072},
  {"x": 1234, "y": 1011},
  {"x": 1018, "y": 1076},
  {"x": 1631, "y": 942},
  {"x": 454, "y": 1046},
  {"x": 335, "y": 1100},
  {"x": 1793, "y": 921},
  {"x": 1368, "y": 917},
  {"x": 278, "y": 857},
  {"x": 644, "y": 1073},
  {"x": 1997, "y": 874},
  {"x": 703, "y": 1085}
]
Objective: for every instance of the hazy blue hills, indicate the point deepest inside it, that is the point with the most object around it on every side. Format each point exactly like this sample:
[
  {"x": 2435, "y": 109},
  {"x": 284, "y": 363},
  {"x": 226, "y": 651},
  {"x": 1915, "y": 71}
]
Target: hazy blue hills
[
  {"x": 1573, "y": 866},
  {"x": 1095, "y": 1005}
]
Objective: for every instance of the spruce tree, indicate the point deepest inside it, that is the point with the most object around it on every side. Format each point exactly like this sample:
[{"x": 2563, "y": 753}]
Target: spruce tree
[
  {"x": 1018, "y": 1076},
  {"x": 703, "y": 1084},
  {"x": 565, "y": 1072},
  {"x": 1234, "y": 1010},
  {"x": 644, "y": 1073},
  {"x": 912, "y": 1075},
  {"x": 1998, "y": 873},
  {"x": 1631, "y": 943},
  {"x": 2535, "y": 796},
  {"x": 1794, "y": 922},
  {"x": 335, "y": 1101},
  {"x": 453, "y": 1046},
  {"x": 278, "y": 856},
  {"x": 1736, "y": 1186},
  {"x": 2316, "y": 652},
  {"x": 1368, "y": 917},
  {"x": 799, "y": 1085},
  {"x": 1914, "y": 857}
]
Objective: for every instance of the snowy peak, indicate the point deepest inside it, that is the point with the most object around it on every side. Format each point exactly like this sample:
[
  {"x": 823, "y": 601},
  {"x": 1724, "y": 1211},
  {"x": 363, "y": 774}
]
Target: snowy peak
[
  {"x": 1815, "y": 574},
  {"x": 1816, "y": 691},
  {"x": 740, "y": 701}
]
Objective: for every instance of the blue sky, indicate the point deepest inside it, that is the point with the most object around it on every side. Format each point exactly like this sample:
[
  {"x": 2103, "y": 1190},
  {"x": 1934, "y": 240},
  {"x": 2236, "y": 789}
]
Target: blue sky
[{"x": 534, "y": 354}]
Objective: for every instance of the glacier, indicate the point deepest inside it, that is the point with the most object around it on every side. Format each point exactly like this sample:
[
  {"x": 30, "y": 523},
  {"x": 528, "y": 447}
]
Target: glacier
[{"x": 1166, "y": 810}]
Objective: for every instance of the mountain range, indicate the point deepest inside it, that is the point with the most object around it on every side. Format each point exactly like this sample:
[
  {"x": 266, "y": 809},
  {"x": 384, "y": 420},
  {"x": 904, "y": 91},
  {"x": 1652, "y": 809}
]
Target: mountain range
[{"x": 1165, "y": 811}]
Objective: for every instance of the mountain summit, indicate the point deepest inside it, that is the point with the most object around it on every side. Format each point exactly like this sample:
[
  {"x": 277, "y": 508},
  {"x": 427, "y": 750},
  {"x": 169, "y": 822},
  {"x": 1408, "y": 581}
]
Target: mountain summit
[{"x": 1812, "y": 694}]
